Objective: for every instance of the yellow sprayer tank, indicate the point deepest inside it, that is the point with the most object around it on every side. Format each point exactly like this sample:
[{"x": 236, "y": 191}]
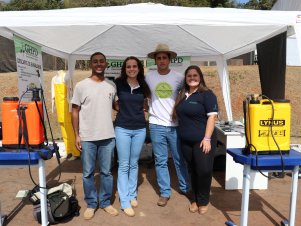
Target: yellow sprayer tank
[{"x": 266, "y": 118}]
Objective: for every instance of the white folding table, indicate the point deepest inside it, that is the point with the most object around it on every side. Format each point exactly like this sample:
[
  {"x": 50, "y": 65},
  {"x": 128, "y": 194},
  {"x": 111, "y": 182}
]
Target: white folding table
[{"x": 271, "y": 162}]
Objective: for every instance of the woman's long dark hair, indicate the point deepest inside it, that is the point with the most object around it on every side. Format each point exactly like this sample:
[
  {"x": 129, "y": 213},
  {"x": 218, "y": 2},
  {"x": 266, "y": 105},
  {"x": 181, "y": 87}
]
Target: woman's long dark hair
[
  {"x": 140, "y": 76},
  {"x": 185, "y": 88}
]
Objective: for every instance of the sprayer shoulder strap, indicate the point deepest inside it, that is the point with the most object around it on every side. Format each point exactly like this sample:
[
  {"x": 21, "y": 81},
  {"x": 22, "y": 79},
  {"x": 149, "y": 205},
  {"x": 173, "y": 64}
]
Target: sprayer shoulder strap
[
  {"x": 23, "y": 130},
  {"x": 20, "y": 127},
  {"x": 42, "y": 121}
]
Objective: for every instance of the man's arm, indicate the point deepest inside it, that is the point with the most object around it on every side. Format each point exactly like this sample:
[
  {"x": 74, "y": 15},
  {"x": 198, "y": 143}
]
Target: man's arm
[{"x": 75, "y": 124}]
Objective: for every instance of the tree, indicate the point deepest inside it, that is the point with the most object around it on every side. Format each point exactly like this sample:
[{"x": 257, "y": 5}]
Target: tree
[
  {"x": 59, "y": 4},
  {"x": 33, "y": 5},
  {"x": 222, "y": 3},
  {"x": 259, "y": 4}
]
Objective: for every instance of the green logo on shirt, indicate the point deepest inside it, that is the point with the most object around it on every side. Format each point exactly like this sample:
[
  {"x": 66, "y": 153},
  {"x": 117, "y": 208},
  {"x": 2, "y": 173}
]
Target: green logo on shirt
[{"x": 163, "y": 90}]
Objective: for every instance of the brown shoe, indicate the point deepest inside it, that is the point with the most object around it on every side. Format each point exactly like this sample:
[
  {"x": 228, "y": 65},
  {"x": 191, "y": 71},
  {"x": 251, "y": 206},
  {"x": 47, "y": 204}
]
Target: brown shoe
[
  {"x": 89, "y": 213},
  {"x": 203, "y": 209},
  {"x": 134, "y": 203},
  {"x": 111, "y": 210},
  {"x": 193, "y": 207},
  {"x": 129, "y": 212},
  {"x": 162, "y": 201}
]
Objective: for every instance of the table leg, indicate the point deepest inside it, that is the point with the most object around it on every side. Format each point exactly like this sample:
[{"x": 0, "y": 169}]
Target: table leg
[
  {"x": 43, "y": 191},
  {"x": 294, "y": 190},
  {"x": 245, "y": 196}
]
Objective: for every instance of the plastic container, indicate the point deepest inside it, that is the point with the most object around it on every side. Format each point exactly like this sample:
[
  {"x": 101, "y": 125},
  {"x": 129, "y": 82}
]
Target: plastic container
[
  {"x": 259, "y": 130},
  {"x": 10, "y": 123}
]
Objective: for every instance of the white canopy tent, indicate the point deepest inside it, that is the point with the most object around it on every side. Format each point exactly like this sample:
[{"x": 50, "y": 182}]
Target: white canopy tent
[{"x": 203, "y": 33}]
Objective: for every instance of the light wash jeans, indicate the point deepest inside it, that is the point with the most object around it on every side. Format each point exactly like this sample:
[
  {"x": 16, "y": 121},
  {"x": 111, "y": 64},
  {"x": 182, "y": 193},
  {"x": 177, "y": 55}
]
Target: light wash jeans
[
  {"x": 161, "y": 136},
  {"x": 103, "y": 151},
  {"x": 129, "y": 144}
]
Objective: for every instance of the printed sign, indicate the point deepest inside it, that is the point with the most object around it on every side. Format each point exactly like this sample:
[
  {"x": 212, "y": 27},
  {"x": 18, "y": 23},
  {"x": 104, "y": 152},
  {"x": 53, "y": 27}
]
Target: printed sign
[
  {"x": 29, "y": 64},
  {"x": 267, "y": 133},
  {"x": 179, "y": 64},
  {"x": 114, "y": 68}
]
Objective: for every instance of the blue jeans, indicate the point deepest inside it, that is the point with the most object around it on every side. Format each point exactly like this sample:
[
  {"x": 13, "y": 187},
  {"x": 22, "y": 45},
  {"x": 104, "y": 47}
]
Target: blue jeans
[
  {"x": 129, "y": 144},
  {"x": 161, "y": 136},
  {"x": 103, "y": 151}
]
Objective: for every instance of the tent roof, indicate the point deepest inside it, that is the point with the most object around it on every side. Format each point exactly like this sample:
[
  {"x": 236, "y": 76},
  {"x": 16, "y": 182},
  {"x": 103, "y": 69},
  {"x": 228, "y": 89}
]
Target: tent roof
[{"x": 135, "y": 29}]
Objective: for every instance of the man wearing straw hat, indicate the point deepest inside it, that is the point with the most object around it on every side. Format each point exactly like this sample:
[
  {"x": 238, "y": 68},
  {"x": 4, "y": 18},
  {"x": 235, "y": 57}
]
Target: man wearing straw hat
[{"x": 165, "y": 84}]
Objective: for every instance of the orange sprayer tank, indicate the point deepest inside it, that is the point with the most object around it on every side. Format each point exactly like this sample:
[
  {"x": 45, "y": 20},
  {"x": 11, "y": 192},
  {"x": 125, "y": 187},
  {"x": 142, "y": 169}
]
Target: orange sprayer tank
[{"x": 10, "y": 123}]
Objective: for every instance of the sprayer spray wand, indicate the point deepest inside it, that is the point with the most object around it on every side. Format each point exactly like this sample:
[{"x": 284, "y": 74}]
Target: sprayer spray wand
[{"x": 58, "y": 156}]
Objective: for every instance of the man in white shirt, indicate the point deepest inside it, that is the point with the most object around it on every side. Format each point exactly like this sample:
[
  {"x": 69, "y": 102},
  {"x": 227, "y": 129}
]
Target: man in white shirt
[
  {"x": 165, "y": 84},
  {"x": 94, "y": 134}
]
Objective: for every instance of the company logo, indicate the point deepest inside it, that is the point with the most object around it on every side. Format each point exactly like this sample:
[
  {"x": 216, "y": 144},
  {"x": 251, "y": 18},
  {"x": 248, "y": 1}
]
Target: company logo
[
  {"x": 163, "y": 90},
  {"x": 177, "y": 60},
  {"x": 269, "y": 122},
  {"x": 29, "y": 50},
  {"x": 115, "y": 64}
]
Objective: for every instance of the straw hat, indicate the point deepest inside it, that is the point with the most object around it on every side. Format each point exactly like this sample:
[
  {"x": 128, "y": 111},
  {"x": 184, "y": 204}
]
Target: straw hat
[{"x": 162, "y": 48}]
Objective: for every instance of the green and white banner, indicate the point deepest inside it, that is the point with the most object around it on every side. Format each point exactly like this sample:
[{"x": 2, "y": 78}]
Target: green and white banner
[
  {"x": 29, "y": 63},
  {"x": 179, "y": 64},
  {"x": 114, "y": 68}
]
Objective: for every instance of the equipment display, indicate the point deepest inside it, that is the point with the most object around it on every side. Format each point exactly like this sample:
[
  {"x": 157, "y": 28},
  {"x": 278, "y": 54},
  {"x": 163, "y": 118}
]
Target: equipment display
[{"x": 267, "y": 124}]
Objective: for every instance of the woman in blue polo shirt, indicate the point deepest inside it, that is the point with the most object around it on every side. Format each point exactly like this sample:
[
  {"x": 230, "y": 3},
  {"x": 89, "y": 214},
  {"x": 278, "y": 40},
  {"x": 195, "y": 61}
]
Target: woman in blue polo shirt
[
  {"x": 196, "y": 110},
  {"x": 130, "y": 129}
]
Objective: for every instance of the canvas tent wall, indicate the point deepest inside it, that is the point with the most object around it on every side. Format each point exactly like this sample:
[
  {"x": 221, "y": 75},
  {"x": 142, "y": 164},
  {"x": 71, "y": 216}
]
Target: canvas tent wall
[
  {"x": 214, "y": 34},
  {"x": 287, "y": 5},
  {"x": 293, "y": 58}
]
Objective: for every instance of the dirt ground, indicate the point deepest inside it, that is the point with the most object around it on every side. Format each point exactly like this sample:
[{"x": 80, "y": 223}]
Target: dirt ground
[{"x": 267, "y": 207}]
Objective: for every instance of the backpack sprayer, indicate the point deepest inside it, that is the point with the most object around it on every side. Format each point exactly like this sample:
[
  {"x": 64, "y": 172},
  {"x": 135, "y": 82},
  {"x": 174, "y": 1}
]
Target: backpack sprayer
[
  {"x": 267, "y": 125},
  {"x": 23, "y": 124},
  {"x": 22, "y": 119}
]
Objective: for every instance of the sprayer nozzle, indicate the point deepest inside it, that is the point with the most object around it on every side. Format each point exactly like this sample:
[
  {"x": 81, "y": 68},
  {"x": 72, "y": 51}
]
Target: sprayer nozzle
[{"x": 255, "y": 96}]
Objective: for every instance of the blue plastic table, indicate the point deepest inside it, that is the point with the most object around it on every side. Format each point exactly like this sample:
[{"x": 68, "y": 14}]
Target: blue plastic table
[
  {"x": 267, "y": 162},
  {"x": 21, "y": 157}
]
